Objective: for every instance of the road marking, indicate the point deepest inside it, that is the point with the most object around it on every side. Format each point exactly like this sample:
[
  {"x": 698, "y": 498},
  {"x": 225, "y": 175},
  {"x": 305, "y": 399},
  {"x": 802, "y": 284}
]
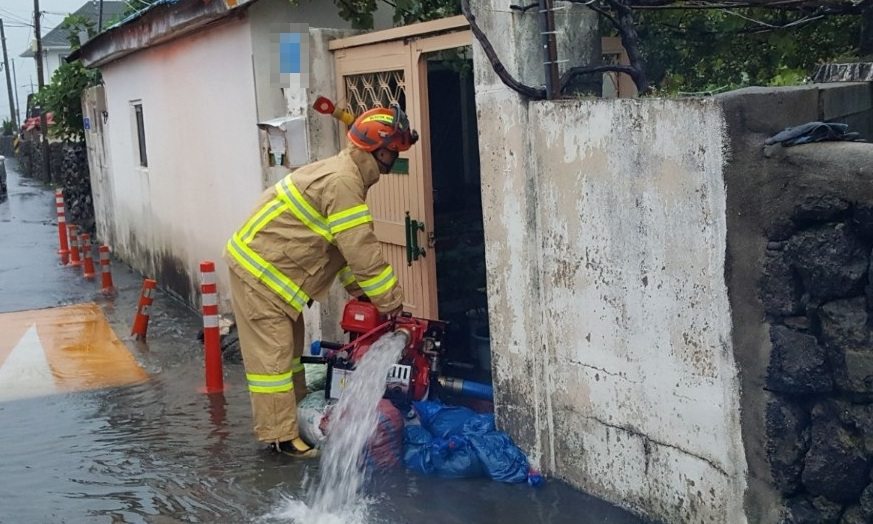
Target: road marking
[{"x": 60, "y": 350}]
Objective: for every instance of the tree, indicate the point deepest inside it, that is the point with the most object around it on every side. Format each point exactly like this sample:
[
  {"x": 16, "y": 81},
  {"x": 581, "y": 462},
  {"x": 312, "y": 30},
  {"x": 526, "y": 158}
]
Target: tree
[
  {"x": 686, "y": 45},
  {"x": 63, "y": 95}
]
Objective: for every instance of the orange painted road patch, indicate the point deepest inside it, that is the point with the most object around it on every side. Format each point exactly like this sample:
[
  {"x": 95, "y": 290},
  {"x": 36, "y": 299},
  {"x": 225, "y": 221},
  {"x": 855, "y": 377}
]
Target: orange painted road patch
[{"x": 63, "y": 349}]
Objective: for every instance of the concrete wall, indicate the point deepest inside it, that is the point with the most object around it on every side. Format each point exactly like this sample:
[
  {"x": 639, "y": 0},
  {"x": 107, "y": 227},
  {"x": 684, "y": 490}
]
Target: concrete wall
[
  {"x": 642, "y": 396},
  {"x": 99, "y": 162},
  {"x": 609, "y": 312},
  {"x": 203, "y": 169},
  {"x": 605, "y": 238}
]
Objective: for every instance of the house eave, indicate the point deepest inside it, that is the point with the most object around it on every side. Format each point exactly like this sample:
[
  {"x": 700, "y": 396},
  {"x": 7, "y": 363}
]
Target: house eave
[{"x": 163, "y": 22}]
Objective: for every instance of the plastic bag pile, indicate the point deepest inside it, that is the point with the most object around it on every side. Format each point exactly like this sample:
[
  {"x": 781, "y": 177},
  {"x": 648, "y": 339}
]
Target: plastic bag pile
[{"x": 456, "y": 442}]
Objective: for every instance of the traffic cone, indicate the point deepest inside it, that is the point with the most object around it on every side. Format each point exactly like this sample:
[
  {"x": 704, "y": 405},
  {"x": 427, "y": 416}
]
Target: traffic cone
[
  {"x": 107, "y": 286},
  {"x": 75, "y": 261},
  {"x": 143, "y": 309},
  {"x": 88, "y": 263}
]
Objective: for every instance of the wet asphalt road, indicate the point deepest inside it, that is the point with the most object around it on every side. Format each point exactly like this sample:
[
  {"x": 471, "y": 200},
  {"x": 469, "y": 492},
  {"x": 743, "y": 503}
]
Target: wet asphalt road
[{"x": 163, "y": 452}]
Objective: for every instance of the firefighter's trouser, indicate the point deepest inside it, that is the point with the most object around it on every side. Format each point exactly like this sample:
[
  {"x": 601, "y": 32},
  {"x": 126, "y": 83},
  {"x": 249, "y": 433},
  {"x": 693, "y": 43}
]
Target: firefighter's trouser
[{"x": 271, "y": 344}]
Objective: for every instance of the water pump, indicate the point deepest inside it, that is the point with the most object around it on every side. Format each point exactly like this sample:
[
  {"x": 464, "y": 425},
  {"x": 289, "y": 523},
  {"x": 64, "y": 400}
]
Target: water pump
[{"x": 415, "y": 377}]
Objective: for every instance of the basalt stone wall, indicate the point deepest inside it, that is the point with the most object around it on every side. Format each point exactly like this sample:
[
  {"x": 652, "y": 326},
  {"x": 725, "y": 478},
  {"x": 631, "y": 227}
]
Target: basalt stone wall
[
  {"x": 816, "y": 290},
  {"x": 72, "y": 174},
  {"x": 69, "y": 170},
  {"x": 800, "y": 236}
]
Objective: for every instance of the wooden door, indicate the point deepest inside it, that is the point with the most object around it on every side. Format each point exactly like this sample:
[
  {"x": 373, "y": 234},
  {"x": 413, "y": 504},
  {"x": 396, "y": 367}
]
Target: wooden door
[{"x": 378, "y": 69}]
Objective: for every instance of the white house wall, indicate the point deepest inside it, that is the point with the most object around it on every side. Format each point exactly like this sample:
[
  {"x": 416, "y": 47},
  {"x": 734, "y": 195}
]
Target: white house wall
[{"x": 204, "y": 171}]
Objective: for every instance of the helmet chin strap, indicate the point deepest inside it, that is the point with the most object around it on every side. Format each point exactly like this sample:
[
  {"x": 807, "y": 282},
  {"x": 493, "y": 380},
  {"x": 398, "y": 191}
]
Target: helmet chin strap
[{"x": 385, "y": 166}]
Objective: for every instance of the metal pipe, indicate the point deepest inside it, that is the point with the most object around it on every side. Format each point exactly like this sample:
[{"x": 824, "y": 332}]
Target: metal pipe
[{"x": 550, "y": 48}]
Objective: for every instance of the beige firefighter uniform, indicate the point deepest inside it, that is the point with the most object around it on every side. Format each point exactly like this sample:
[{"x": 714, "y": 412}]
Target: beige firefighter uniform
[{"x": 311, "y": 227}]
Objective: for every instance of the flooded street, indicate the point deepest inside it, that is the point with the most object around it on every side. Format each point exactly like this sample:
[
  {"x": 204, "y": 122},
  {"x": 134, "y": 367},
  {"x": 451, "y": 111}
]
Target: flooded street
[{"x": 160, "y": 450}]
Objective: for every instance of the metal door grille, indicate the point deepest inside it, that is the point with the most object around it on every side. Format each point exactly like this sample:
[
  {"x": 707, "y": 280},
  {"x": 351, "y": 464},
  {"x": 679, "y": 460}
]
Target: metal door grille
[{"x": 369, "y": 90}]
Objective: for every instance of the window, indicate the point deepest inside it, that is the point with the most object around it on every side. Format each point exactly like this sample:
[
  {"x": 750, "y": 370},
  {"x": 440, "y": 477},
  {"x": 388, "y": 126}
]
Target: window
[{"x": 140, "y": 135}]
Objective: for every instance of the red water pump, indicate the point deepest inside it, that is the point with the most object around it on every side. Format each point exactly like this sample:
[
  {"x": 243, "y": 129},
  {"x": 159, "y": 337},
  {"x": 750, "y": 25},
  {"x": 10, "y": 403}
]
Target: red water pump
[{"x": 411, "y": 378}]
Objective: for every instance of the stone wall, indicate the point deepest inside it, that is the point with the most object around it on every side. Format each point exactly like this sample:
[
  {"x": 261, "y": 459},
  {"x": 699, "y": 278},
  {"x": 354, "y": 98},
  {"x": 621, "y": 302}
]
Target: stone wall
[
  {"x": 69, "y": 171},
  {"x": 800, "y": 234}
]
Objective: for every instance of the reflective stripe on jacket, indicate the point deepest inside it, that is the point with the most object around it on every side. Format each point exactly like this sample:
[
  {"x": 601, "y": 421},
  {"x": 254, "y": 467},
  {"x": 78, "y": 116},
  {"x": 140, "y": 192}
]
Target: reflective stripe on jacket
[{"x": 311, "y": 227}]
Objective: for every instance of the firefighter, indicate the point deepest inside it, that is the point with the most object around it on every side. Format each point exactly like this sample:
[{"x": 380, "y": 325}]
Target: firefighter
[{"x": 311, "y": 227}]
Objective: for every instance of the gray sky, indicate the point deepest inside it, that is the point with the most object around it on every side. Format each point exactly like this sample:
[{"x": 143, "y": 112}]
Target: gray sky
[{"x": 17, "y": 18}]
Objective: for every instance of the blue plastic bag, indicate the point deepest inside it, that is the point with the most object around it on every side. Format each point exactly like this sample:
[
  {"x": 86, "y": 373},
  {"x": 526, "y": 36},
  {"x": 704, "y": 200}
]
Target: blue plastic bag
[
  {"x": 456, "y": 442},
  {"x": 446, "y": 421},
  {"x": 454, "y": 458},
  {"x": 447, "y": 458},
  {"x": 417, "y": 450},
  {"x": 501, "y": 459}
]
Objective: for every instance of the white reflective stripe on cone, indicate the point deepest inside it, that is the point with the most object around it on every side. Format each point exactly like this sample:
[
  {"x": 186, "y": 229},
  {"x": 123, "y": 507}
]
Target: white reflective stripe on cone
[
  {"x": 59, "y": 200},
  {"x": 145, "y": 310},
  {"x": 210, "y": 299},
  {"x": 148, "y": 293},
  {"x": 62, "y": 219},
  {"x": 210, "y": 321},
  {"x": 207, "y": 278}
]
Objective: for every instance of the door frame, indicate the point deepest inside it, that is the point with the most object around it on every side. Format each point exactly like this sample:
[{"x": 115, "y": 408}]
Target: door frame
[{"x": 409, "y": 43}]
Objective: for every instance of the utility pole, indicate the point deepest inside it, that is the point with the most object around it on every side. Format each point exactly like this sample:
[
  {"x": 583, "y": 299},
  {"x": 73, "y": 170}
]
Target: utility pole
[
  {"x": 8, "y": 77},
  {"x": 40, "y": 78},
  {"x": 17, "y": 98},
  {"x": 100, "y": 18}
]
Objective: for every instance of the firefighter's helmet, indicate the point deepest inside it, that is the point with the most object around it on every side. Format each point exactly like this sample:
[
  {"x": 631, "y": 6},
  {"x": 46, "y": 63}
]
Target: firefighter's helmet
[{"x": 383, "y": 128}]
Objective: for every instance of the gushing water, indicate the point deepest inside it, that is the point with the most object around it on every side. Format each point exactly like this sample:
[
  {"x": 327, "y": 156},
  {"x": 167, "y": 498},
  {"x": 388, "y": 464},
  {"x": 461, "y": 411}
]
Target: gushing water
[{"x": 337, "y": 496}]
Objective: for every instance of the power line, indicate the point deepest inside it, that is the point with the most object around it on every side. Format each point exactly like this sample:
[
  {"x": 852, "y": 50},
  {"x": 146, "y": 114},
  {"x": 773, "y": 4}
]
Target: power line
[{"x": 12, "y": 16}]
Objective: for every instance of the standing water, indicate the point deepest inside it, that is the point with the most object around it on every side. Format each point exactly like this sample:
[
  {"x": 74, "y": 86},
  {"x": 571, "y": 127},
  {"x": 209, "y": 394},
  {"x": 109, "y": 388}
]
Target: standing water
[{"x": 337, "y": 497}]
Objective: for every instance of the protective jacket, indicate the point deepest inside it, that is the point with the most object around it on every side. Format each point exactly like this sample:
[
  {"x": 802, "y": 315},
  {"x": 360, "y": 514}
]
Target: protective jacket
[{"x": 311, "y": 227}]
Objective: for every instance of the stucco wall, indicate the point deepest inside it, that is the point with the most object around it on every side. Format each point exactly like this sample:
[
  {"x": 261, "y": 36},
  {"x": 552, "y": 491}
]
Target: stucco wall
[
  {"x": 203, "y": 171},
  {"x": 610, "y": 324},
  {"x": 608, "y": 307},
  {"x": 631, "y": 222}
]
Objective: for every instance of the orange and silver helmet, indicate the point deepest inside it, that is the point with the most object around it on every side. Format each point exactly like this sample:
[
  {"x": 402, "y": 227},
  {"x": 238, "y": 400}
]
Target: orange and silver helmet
[{"x": 382, "y": 127}]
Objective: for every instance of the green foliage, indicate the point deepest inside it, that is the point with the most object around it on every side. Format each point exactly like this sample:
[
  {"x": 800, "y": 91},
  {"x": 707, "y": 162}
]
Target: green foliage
[
  {"x": 76, "y": 24},
  {"x": 360, "y": 12},
  {"x": 411, "y": 11},
  {"x": 716, "y": 50},
  {"x": 63, "y": 97},
  {"x": 8, "y": 128}
]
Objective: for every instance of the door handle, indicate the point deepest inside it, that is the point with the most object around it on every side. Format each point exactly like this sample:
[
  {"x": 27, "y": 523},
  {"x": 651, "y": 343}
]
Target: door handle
[{"x": 413, "y": 250}]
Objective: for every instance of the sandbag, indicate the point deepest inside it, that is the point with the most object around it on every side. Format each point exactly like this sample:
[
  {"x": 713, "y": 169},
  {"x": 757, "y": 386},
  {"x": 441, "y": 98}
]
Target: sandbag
[
  {"x": 310, "y": 413},
  {"x": 385, "y": 447},
  {"x": 316, "y": 377}
]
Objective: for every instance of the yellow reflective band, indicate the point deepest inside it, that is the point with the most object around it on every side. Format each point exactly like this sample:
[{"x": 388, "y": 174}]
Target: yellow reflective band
[
  {"x": 302, "y": 209},
  {"x": 380, "y": 284},
  {"x": 346, "y": 277},
  {"x": 349, "y": 218},
  {"x": 267, "y": 273},
  {"x": 263, "y": 217},
  {"x": 387, "y": 119},
  {"x": 297, "y": 365},
  {"x": 270, "y": 383}
]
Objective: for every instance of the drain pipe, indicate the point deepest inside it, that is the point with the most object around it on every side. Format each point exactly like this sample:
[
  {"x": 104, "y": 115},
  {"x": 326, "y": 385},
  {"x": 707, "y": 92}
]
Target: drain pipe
[{"x": 550, "y": 48}]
